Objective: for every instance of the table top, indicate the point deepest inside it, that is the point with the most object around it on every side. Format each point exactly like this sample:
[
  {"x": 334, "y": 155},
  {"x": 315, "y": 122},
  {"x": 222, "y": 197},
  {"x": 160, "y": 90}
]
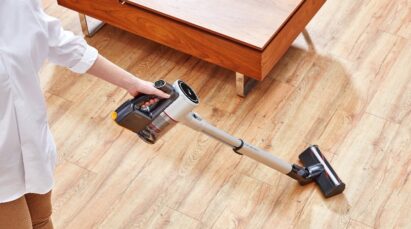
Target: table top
[{"x": 250, "y": 22}]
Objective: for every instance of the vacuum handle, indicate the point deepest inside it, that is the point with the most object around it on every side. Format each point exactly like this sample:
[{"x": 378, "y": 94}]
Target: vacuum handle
[
  {"x": 155, "y": 109},
  {"x": 163, "y": 103},
  {"x": 160, "y": 85},
  {"x": 164, "y": 86}
]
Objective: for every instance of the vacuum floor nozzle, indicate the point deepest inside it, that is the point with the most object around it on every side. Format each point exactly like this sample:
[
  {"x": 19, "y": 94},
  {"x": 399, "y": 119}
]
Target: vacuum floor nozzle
[{"x": 329, "y": 182}]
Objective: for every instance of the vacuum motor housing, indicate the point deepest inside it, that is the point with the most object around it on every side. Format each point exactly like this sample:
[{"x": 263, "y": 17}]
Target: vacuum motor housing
[{"x": 151, "y": 122}]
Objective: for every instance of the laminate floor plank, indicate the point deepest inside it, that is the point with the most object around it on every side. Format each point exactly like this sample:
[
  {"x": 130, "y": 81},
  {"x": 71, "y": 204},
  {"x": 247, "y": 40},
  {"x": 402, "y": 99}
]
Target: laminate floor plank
[{"x": 393, "y": 99}]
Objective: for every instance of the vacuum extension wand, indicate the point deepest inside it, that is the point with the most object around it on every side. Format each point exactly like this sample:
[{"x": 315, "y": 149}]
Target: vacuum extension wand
[
  {"x": 239, "y": 146},
  {"x": 152, "y": 121}
]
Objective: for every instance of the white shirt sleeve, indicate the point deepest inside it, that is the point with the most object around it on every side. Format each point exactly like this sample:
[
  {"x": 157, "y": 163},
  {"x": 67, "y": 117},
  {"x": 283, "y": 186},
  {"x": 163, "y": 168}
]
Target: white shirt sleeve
[{"x": 67, "y": 49}]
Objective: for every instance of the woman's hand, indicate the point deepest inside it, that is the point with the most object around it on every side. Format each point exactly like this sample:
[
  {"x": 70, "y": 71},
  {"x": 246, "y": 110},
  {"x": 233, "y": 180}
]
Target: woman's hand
[{"x": 145, "y": 87}]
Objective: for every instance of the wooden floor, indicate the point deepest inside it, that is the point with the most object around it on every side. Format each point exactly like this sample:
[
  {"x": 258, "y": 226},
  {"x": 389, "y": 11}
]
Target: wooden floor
[{"x": 350, "y": 93}]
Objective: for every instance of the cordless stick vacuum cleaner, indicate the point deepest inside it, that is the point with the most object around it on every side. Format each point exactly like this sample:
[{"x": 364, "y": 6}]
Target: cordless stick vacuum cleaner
[{"x": 152, "y": 121}]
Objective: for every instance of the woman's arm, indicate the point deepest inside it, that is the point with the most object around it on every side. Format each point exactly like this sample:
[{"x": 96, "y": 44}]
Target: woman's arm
[
  {"x": 108, "y": 71},
  {"x": 72, "y": 51}
]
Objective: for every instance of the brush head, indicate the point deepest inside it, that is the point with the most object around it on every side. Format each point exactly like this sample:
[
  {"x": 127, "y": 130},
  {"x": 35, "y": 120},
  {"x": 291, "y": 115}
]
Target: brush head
[{"x": 329, "y": 182}]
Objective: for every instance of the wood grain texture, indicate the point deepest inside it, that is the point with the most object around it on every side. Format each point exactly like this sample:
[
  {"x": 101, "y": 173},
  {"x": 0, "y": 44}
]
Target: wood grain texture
[
  {"x": 206, "y": 46},
  {"x": 225, "y": 33},
  {"x": 250, "y": 22},
  {"x": 351, "y": 96}
]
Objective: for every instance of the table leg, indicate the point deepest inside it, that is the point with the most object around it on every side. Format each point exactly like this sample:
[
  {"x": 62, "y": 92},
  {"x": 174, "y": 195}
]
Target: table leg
[
  {"x": 309, "y": 41},
  {"x": 90, "y": 25},
  {"x": 243, "y": 84}
]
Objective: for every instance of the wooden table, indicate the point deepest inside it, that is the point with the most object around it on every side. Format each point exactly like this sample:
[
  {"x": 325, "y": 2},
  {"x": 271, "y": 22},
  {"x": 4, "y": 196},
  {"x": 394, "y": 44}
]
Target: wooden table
[{"x": 248, "y": 36}]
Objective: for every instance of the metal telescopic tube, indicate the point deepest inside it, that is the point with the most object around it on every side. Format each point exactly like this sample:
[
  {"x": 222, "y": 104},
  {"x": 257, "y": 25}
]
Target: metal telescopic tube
[
  {"x": 197, "y": 123},
  {"x": 266, "y": 158}
]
